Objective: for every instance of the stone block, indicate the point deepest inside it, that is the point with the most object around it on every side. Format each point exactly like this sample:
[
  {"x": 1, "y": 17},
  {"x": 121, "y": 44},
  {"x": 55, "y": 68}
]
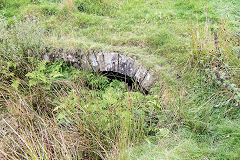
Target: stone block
[
  {"x": 46, "y": 57},
  {"x": 93, "y": 62},
  {"x": 122, "y": 64},
  {"x": 76, "y": 65},
  {"x": 84, "y": 63},
  {"x": 110, "y": 61},
  {"x": 148, "y": 81},
  {"x": 100, "y": 61},
  {"x": 71, "y": 58},
  {"x": 140, "y": 74},
  {"x": 132, "y": 67}
]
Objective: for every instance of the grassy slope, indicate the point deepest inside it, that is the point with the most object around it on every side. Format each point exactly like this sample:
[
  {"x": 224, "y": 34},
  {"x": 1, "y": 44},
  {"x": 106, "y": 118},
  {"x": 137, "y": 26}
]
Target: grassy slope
[{"x": 158, "y": 34}]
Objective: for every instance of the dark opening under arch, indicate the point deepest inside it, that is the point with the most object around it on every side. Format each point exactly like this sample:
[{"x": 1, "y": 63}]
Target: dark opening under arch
[{"x": 131, "y": 84}]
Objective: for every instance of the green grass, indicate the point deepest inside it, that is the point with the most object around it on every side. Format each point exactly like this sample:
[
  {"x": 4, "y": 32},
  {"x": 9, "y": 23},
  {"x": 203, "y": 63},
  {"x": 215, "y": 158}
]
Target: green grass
[{"x": 192, "y": 116}]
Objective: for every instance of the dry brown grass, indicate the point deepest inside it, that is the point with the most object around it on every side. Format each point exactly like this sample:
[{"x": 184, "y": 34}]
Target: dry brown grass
[{"x": 26, "y": 133}]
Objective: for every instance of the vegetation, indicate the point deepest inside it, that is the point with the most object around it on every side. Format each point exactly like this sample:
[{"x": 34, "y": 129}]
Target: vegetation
[{"x": 54, "y": 111}]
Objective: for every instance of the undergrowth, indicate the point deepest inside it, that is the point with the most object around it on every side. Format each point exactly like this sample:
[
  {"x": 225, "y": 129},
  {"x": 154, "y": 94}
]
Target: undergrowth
[{"x": 54, "y": 99}]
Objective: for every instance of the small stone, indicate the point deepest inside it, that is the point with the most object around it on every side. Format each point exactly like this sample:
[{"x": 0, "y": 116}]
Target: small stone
[
  {"x": 217, "y": 106},
  {"x": 76, "y": 65},
  {"x": 71, "y": 58}
]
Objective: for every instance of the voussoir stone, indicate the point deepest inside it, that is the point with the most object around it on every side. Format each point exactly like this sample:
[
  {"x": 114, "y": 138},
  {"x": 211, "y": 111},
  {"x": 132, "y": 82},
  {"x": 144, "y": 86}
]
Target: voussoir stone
[
  {"x": 122, "y": 64},
  {"x": 84, "y": 62},
  {"x": 46, "y": 57},
  {"x": 148, "y": 81},
  {"x": 100, "y": 61},
  {"x": 110, "y": 61},
  {"x": 140, "y": 74},
  {"x": 93, "y": 62},
  {"x": 131, "y": 67}
]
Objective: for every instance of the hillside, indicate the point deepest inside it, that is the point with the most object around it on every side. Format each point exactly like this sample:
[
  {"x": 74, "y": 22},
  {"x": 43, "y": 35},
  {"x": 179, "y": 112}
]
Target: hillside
[{"x": 51, "y": 110}]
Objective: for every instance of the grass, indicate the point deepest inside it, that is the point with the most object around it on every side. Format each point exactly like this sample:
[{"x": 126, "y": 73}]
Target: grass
[{"x": 53, "y": 111}]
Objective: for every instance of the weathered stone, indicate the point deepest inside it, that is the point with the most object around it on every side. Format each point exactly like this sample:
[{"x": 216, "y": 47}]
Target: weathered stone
[
  {"x": 122, "y": 64},
  {"x": 46, "y": 57},
  {"x": 127, "y": 66},
  {"x": 100, "y": 61},
  {"x": 59, "y": 56},
  {"x": 93, "y": 62},
  {"x": 84, "y": 63},
  {"x": 131, "y": 67},
  {"x": 111, "y": 61},
  {"x": 71, "y": 58},
  {"x": 148, "y": 81},
  {"x": 140, "y": 74}
]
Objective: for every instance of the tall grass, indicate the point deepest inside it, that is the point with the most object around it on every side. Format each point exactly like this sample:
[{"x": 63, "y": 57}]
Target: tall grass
[
  {"x": 216, "y": 52},
  {"x": 70, "y": 5},
  {"x": 215, "y": 47}
]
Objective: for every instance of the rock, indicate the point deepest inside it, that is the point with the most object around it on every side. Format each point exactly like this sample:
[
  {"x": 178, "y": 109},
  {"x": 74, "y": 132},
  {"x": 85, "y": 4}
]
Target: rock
[
  {"x": 148, "y": 81},
  {"x": 76, "y": 65},
  {"x": 132, "y": 67},
  {"x": 84, "y": 63},
  {"x": 93, "y": 62},
  {"x": 110, "y": 61},
  {"x": 140, "y": 74},
  {"x": 122, "y": 64},
  {"x": 100, "y": 61},
  {"x": 46, "y": 57}
]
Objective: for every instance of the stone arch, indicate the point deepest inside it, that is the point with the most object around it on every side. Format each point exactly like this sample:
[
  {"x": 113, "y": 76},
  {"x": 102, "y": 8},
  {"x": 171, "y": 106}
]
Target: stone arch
[{"x": 106, "y": 61}]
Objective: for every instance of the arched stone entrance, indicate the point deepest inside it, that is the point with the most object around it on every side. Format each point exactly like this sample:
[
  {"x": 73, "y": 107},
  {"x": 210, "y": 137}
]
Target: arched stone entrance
[{"x": 106, "y": 62}]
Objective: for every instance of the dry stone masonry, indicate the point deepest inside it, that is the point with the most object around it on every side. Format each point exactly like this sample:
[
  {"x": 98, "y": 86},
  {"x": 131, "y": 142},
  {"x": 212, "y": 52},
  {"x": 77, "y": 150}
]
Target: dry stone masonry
[{"x": 105, "y": 61}]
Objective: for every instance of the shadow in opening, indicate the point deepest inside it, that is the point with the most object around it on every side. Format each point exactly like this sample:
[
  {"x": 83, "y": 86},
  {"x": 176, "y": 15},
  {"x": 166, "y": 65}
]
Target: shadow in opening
[{"x": 131, "y": 83}]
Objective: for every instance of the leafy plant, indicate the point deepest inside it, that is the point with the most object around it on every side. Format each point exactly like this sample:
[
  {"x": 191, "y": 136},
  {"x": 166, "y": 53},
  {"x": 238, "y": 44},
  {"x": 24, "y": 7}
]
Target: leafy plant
[
  {"x": 48, "y": 73},
  {"x": 95, "y": 80}
]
